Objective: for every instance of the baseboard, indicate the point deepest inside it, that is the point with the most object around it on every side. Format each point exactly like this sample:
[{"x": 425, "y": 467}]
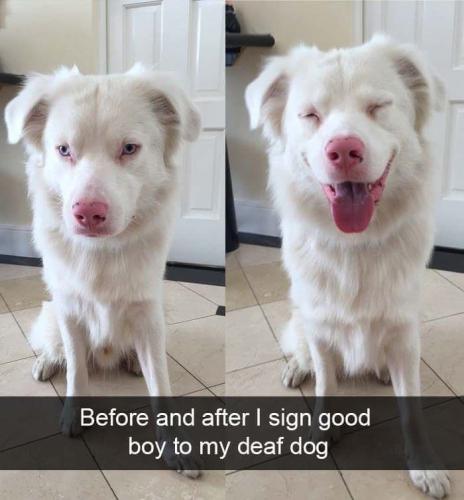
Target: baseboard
[
  {"x": 447, "y": 259},
  {"x": 255, "y": 219},
  {"x": 443, "y": 258},
  {"x": 192, "y": 273},
  {"x": 17, "y": 240},
  {"x": 260, "y": 239}
]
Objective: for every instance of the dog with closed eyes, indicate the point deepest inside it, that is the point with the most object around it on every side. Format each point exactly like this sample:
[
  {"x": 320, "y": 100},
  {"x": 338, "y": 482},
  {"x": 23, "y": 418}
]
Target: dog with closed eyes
[
  {"x": 103, "y": 176},
  {"x": 354, "y": 183}
]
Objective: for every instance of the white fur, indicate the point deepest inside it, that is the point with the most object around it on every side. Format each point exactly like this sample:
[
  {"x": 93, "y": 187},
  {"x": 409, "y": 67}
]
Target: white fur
[
  {"x": 356, "y": 296},
  {"x": 106, "y": 291}
]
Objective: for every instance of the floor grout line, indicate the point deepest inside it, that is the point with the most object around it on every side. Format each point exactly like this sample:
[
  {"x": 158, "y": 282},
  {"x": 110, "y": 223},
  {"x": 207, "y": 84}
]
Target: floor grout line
[
  {"x": 450, "y": 281},
  {"x": 261, "y": 363},
  {"x": 19, "y": 359},
  {"x": 17, "y": 323},
  {"x": 442, "y": 317},
  {"x": 340, "y": 472},
  {"x": 205, "y": 386},
  {"x": 439, "y": 377},
  {"x": 193, "y": 319},
  {"x": 199, "y": 294},
  {"x": 242, "y": 308}
]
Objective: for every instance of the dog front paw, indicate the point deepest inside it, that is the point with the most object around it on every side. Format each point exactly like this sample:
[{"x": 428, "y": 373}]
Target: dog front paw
[
  {"x": 292, "y": 375},
  {"x": 435, "y": 483},
  {"x": 43, "y": 369},
  {"x": 189, "y": 467}
]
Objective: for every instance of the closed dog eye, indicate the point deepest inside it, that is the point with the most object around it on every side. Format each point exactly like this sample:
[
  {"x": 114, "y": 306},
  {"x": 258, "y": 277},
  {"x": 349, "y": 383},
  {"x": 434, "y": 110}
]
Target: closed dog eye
[
  {"x": 373, "y": 108},
  {"x": 311, "y": 115}
]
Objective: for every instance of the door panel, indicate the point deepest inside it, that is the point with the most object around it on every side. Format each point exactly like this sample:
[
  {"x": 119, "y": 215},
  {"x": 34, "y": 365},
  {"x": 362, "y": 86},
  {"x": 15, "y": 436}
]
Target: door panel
[
  {"x": 438, "y": 28},
  {"x": 185, "y": 37}
]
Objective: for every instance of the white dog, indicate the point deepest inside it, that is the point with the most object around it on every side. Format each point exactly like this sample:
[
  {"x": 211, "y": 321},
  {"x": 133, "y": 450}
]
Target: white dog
[
  {"x": 354, "y": 185},
  {"x": 103, "y": 178}
]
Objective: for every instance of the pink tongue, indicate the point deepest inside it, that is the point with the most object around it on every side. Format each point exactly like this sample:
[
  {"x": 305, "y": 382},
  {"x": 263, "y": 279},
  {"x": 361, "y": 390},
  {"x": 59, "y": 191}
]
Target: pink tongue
[{"x": 352, "y": 207}]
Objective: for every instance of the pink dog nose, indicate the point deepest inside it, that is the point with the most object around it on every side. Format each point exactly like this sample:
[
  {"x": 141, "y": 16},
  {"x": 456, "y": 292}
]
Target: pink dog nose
[
  {"x": 90, "y": 214},
  {"x": 345, "y": 152}
]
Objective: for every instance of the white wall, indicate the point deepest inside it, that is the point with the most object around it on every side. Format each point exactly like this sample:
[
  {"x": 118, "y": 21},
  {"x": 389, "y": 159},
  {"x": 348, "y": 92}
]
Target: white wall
[
  {"x": 324, "y": 23},
  {"x": 37, "y": 35}
]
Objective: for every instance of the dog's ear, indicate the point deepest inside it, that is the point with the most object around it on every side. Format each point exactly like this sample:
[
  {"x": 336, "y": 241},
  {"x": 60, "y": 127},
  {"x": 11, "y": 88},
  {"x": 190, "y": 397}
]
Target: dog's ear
[
  {"x": 266, "y": 97},
  {"x": 175, "y": 109},
  {"x": 26, "y": 114},
  {"x": 170, "y": 102},
  {"x": 426, "y": 89}
]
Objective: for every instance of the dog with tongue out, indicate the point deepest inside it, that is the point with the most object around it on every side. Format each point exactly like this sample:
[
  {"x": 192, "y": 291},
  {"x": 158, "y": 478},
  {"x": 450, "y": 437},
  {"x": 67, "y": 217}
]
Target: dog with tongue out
[
  {"x": 352, "y": 203},
  {"x": 354, "y": 184}
]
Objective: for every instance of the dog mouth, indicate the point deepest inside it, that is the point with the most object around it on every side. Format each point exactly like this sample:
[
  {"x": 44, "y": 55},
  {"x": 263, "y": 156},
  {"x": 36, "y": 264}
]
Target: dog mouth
[
  {"x": 91, "y": 234},
  {"x": 353, "y": 203}
]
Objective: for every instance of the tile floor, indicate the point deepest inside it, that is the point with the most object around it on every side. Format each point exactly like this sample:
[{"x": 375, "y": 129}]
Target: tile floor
[
  {"x": 196, "y": 366},
  {"x": 257, "y": 310}
]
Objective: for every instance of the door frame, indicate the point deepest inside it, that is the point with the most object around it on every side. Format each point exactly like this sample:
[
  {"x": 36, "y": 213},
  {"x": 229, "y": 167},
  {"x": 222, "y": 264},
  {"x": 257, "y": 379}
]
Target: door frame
[{"x": 101, "y": 11}]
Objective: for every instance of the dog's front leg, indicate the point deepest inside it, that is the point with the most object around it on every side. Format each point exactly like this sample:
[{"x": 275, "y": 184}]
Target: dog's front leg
[
  {"x": 147, "y": 322},
  {"x": 326, "y": 386},
  {"x": 77, "y": 378},
  {"x": 150, "y": 345},
  {"x": 403, "y": 361}
]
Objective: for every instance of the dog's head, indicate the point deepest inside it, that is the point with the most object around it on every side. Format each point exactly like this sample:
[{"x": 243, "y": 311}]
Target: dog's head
[
  {"x": 106, "y": 144},
  {"x": 351, "y": 120}
]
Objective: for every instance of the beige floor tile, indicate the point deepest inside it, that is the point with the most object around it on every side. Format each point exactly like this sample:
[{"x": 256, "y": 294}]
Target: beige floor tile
[
  {"x": 3, "y": 306},
  {"x": 238, "y": 292},
  {"x": 443, "y": 349},
  {"x": 249, "y": 339},
  {"x": 231, "y": 261},
  {"x": 199, "y": 346},
  {"x": 279, "y": 484},
  {"x": 456, "y": 278},
  {"x": 16, "y": 380},
  {"x": 166, "y": 485},
  {"x": 389, "y": 485},
  {"x": 278, "y": 314},
  {"x": 215, "y": 294},
  {"x": 219, "y": 390},
  {"x": 12, "y": 341},
  {"x": 251, "y": 255},
  {"x": 26, "y": 318},
  {"x": 260, "y": 380},
  {"x": 23, "y": 293},
  {"x": 181, "y": 304},
  {"x": 121, "y": 383},
  {"x": 268, "y": 281},
  {"x": 11, "y": 271},
  {"x": 440, "y": 298},
  {"x": 48, "y": 484}
]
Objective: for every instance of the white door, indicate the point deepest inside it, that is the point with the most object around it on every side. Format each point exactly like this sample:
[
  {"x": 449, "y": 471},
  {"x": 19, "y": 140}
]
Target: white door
[
  {"x": 187, "y": 38},
  {"x": 437, "y": 27}
]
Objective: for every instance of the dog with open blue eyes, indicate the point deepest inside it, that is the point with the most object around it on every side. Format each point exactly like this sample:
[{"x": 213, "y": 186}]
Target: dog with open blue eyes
[
  {"x": 103, "y": 177},
  {"x": 354, "y": 183}
]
